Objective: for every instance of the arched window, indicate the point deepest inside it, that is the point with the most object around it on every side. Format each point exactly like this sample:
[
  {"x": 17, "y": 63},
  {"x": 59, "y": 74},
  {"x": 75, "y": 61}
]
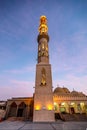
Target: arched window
[
  {"x": 43, "y": 46},
  {"x": 22, "y": 105},
  {"x": 13, "y": 109},
  {"x": 13, "y": 104},
  {"x": 21, "y": 110},
  {"x": 43, "y": 77}
]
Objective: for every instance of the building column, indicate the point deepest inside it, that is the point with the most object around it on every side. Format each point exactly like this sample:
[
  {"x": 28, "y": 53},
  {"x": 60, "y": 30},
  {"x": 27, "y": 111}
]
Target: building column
[
  {"x": 28, "y": 112},
  {"x": 17, "y": 110},
  {"x": 7, "y": 111}
]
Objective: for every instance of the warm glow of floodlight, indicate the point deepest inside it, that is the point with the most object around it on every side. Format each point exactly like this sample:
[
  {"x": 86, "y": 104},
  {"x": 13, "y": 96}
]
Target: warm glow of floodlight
[
  {"x": 49, "y": 107},
  {"x": 37, "y": 107},
  {"x": 55, "y": 103}
]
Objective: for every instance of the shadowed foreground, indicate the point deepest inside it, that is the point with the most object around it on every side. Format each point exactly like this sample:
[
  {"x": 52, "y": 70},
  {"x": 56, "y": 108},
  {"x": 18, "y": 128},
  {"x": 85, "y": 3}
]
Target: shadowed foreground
[{"x": 21, "y": 125}]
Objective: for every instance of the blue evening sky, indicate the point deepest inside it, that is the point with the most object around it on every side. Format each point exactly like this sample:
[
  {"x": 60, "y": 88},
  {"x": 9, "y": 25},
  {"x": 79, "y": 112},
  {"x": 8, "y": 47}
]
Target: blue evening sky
[{"x": 19, "y": 21}]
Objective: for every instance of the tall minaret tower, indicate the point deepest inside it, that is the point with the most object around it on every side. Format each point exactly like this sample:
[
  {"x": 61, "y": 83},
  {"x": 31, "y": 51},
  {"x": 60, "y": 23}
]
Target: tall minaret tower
[{"x": 43, "y": 97}]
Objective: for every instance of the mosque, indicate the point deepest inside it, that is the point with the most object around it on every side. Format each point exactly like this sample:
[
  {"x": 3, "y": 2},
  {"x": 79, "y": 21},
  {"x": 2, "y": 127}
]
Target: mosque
[{"x": 47, "y": 105}]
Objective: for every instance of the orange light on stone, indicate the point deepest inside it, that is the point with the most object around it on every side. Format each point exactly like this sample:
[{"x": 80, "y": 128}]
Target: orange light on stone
[
  {"x": 37, "y": 107},
  {"x": 50, "y": 107}
]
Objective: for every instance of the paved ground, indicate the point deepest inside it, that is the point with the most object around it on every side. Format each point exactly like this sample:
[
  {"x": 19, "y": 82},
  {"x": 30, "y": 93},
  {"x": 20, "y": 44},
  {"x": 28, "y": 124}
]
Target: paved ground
[{"x": 20, "y": 125}]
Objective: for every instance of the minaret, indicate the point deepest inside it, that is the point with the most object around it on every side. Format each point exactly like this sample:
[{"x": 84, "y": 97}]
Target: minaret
[
  {"x": 43, "y": 97},
  {"x": 43, "y": 40}
]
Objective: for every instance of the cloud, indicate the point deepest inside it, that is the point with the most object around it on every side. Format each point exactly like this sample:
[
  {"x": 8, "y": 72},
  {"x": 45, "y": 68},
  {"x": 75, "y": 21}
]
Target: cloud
[
  {"x": 21, "y": 83},
  {"x": 13, "y": 85},
  {"x": 16, "y": 88},
  {"x": 5, "y": 54},
  {"x": 27, "y": 69},
  {"x": 70, "y": 54}
]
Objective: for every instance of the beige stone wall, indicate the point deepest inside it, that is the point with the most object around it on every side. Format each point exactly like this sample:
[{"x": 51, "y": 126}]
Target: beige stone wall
[
  {"x": 43, "y": 97},
  {"x": 43, "y": 115},
  {"x": 48, "y": 87}
]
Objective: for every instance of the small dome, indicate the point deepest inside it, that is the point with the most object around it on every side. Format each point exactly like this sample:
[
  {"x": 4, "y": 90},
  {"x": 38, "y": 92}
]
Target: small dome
[
  {"x": 66, "y": 90},
  {"x": 81, "y": 94},
  {"x": 59, "y": 90},
  {"x": 75, "y": 93}
]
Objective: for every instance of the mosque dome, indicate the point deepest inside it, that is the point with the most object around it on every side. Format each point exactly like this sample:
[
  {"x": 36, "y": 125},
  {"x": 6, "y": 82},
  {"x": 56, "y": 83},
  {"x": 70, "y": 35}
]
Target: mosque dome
[
  {"x": 66, "y": 90},
  {"x": 74, "y": 93},
  {"x": 58, "y": 90},
  {"x": 81, "y": 94},
  {"x": 61, "y": 90}
]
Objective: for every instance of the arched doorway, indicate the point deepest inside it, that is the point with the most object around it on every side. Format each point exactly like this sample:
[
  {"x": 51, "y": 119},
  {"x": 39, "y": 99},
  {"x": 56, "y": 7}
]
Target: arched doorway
[
  {"x": 72, "y": 107},
  {"x": 63, "y": 107},
  {"x": 56, "y": 110},
  {"x": 21, "y": 110},
  {"x": 72, "y": 110},
  {"x": 13, "y": 109}
]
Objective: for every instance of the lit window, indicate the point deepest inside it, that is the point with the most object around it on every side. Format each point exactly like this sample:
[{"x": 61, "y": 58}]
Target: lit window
[{"x": 63, "y": 103}]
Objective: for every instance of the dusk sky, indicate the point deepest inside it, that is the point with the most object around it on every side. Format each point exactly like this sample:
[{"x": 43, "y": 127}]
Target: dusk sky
[{"x": 67, "y": 24}]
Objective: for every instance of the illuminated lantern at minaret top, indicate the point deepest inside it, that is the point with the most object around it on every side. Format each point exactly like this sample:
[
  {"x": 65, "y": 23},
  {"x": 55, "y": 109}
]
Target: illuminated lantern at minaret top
[{"x": 43, "y": 28}]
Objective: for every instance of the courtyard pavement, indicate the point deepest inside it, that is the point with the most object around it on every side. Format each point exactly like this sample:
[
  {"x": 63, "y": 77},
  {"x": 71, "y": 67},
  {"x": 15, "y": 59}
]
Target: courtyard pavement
[{"x": 60, "y": 125}]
